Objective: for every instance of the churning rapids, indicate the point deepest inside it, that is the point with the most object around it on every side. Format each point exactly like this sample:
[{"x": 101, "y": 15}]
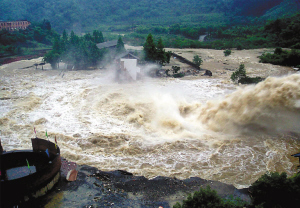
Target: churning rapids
[{"x": 167, "y": 127}]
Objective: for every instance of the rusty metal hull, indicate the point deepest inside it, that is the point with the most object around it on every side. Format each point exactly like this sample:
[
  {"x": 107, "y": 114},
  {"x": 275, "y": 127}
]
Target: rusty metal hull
[{"x": 27, "y": 174}]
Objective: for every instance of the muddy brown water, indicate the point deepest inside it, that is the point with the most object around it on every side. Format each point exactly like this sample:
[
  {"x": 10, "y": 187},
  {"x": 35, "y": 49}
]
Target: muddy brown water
[{"x": 203, "y": 127}]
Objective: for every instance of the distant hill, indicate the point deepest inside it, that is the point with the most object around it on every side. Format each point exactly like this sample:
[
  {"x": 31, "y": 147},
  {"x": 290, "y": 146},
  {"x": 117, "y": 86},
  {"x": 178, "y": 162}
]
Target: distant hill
[
  {"x": 83, "y": 15},
  {"x": 253, "y": 7},
  {"x": 285, "y": 8}
]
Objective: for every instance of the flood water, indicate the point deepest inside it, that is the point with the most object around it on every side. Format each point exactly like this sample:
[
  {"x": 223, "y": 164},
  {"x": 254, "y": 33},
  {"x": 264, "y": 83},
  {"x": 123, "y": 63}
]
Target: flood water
[{"x": 167, "y": 127}]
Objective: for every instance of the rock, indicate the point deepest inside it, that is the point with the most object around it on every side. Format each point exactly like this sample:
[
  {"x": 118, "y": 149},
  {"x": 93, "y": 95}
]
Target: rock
[
  {"x": 207, "y": 73},
  {"x": 98, "y": 188},
  {"x": 72, "y": 175}
]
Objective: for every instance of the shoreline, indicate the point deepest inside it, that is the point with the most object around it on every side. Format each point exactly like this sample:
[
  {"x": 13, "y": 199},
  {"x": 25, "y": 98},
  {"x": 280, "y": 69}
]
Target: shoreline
[
  {"x": 118, "y": 188},
  {"x": 13, "y": 58}
]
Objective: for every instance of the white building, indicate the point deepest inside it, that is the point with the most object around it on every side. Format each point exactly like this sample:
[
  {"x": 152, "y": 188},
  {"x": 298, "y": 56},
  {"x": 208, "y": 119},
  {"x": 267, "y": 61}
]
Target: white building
[{"x": 128, "y": 69}]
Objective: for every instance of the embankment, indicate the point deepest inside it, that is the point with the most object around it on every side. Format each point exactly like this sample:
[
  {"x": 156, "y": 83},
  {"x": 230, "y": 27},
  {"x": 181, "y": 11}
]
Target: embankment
[{"x": 96, "y": 188}]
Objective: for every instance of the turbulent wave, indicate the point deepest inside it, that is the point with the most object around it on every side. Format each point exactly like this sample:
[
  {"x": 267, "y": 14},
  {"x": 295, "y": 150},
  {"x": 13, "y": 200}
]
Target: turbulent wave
[
  {"x": 177, "y": 128},
  {"x": 272, "y": 106}
]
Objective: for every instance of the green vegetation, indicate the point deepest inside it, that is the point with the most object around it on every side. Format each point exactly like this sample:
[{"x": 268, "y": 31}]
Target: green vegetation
[
  {"x": 175, "y": 71},
  {"x": 208, "y": 198},
  {"x": 150, "y": 49},
  {"x": 131, "y": 15},
  {"x": 116, "y": 15},
  {"x": 283, "y": 32},
  {"x": 240, "y": 76},
  {"x": 270, "y": 190},
  {"x": 37, "y": 35},
  {"x": 80, "y": 52},
  {"x": 83, "y": 15},
  {"x": 227, "y": 52},
  {"x": 120, "y": 46},
  {"x": 276, "y": 190},
  {"x": 197, "y": 60},
  {"x": 282, "y": 57},
  {"x": 155, "y": 52},
  {"x": 228, "y": 24}
]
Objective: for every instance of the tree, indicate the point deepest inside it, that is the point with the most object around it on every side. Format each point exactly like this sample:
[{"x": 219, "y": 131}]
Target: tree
[
  {"x": 64, "y": 41},
  {"x": 150, "y": 49},
  {"x": 175, "y": 69},
  {"x": 57, "y": 45},
  {"x": 241, "y": 77},
  {"x": 174, "y": 29},
  {"x": 120, "y": 46},
  {"x": 176, "y": 73},
  {"x": 88, "y": 37},
  {"x": 156, "y": 53},
  {"x": 208, "y": 198},
  {"x": 161, "y": 55},
  {"x": 239, "y": 73},
  {"x": 52, "y": 57},
  {"x": 205, "y": 198},
  {"x": 197, "y": 60},
  {"x": 98, "y": 36},
  {"x": 65, "y": 36},
  {"x": 74, "y": 39},
  {"x": 81, "y": 52},
  {"x": 276, "y": 190},
  {"x": 46, "y": 25},
  {"x": 39, "y": 34},
  {"x": 227, "y": 52},
  {"x": 278, "y": 51}
]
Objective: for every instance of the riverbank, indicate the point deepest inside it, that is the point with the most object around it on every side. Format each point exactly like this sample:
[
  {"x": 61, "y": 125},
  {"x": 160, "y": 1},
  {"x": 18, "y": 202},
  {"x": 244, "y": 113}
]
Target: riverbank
[
  {"x": 96, "y": 188},
  {"x": 32, "y": 55}
]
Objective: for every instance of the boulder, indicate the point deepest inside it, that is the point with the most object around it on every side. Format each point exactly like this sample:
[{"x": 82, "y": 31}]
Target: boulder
[{"x": 207, "y": 73}]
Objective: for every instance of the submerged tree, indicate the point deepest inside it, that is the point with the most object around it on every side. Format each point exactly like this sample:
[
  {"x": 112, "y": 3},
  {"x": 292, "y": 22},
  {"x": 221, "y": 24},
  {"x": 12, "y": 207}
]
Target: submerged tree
[
  {"x": 52, "y": 57},
  {"x": 239, "y": 73},
  {"x": 240, "y": 76},
  {"x": 197, "y": 60},
  {"x": 227, "y": 52}
]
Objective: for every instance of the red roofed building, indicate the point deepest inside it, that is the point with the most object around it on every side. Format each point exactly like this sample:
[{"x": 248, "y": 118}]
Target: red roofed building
[{"x": 14, "y": 25}]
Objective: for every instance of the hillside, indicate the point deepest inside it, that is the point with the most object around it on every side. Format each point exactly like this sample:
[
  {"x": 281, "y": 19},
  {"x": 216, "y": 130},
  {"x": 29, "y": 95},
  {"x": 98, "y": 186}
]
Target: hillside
[
  {"x": 85, "y": 15},
  {"x": 280, "y": 10}
]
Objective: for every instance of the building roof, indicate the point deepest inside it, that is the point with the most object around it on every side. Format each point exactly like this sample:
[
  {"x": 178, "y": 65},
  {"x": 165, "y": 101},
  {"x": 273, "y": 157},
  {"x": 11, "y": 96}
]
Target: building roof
[
  {"x": 129, "y": 56},
  {"x": 107, "y": 44},
  {"x": 15, "y": 21}
]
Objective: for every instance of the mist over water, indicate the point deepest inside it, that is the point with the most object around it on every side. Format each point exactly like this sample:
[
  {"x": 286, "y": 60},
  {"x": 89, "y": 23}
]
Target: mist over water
[
  {"x": 272, "y": 106},
  {"x": 169, "y": 127}
]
